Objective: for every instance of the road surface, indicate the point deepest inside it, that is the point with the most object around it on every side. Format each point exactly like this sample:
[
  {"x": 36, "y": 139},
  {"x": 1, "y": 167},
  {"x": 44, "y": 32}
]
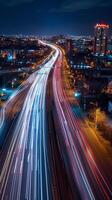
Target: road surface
[
  {"x": 89, "y": 175},
  {"x": 25, "y": 170},
  {"x": 49, "y": 156}
]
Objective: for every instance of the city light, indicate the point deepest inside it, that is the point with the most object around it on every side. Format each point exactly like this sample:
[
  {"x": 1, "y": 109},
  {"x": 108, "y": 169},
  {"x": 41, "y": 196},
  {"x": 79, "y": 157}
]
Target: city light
[
  {"x": 55, "y": 100},
  {"x": 102, "y": 26},
  {"x": 77, "y": 94},
  {"x": 4, "y": 89}
]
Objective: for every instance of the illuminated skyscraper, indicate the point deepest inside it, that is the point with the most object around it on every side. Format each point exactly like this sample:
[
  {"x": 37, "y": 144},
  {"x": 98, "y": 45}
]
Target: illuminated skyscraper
[{"x": 101, "y": 38}]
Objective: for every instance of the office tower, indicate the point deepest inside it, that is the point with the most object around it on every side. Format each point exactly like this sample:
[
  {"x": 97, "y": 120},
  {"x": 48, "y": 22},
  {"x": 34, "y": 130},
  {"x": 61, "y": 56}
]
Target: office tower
[{"x": 101, "y": 39}]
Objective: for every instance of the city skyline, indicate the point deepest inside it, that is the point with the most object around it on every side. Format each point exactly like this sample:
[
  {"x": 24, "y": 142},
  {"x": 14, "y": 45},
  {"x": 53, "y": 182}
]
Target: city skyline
[
  {"x": 55, "y": 100},
  {"x": 58, "y": 17}
]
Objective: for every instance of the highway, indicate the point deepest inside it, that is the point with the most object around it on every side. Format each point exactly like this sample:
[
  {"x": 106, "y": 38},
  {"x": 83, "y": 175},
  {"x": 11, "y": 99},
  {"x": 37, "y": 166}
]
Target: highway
[
  {"x": 62, "y": 188},
  {"x": 91, "y": 176},
  {"x": 24, "y": 165},
  {"x": 50, "y": 153},
  {"x": 13, "y": 106}
]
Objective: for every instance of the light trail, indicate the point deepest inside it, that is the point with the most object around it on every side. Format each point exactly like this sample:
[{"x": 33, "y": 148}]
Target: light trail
[
  {"x": 25, "y": 173},
  {"x": 92, "y": 184},
  {"x": 26, "y": 84}
]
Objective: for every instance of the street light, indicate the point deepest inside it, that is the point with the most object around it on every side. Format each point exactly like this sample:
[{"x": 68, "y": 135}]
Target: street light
[
  {"x": 77, "y": 94},
  {"x": 4, "y": 89}
]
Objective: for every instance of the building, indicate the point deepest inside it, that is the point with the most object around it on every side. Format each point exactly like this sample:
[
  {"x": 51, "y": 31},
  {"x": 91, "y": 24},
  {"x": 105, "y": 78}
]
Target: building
[
  {"x": 101, "y": 39},
  {"x": 110, "y": 45},
  {"x": 69, "y": 45},
  {"x": 83, "y": 44}
]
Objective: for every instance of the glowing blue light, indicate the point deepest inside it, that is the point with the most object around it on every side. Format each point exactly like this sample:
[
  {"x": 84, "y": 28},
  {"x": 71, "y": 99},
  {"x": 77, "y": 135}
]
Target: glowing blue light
[
  {"x": 10, "y": 57},
  {"x": 4, "y": 89},
  {"x": 110, "y": 56},
  {"x": 77, "y": 94}
]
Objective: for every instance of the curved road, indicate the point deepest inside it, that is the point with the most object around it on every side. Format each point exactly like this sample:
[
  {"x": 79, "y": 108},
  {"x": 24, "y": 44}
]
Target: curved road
[
  {"x": 25, "y": 172},
  {"x": 92, "y": 181}
]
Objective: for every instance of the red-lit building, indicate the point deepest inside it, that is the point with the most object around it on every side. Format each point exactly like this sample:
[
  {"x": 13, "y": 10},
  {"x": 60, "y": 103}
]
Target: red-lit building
[{"x": 101, "y": 38}]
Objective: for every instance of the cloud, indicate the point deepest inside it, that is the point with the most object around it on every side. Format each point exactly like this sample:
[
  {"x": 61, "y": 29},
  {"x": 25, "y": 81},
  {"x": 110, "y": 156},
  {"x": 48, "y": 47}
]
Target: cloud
[
  {"x": 14, "y": 2},
  {"x": 77, "y": 5},
  {"x": 62, "y": 5},
  {"x": 106, "y": 3}
]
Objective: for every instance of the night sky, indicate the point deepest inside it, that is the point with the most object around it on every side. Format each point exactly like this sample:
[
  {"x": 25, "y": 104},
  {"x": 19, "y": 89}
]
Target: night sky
[{"x": 76, "y": 17}]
